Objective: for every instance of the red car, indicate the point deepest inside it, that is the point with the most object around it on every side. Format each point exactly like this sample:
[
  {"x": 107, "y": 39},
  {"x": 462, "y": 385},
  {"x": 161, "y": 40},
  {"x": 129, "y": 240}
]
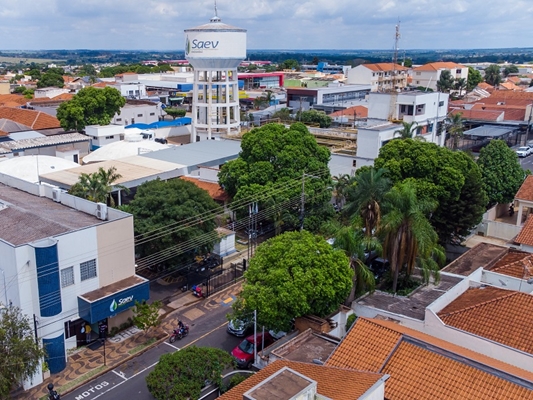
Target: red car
[{"x": 244, "y": 352}]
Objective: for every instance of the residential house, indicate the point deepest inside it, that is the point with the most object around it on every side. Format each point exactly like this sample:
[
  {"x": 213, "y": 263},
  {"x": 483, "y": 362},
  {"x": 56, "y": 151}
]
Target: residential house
[
  {"x": 427, "y": 75},
  {"x": 138, "y": 111},
  {"x": 381, "y": 77},
  {"x": 49, "y": 92}
]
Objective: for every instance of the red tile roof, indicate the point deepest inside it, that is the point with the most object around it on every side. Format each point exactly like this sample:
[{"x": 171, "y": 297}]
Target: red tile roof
[
  {"x": 509, "y": 86},
  {"x": 31, "y": 118},
  {"x": 526, "y": 190},
  {"x": 385, "y": 67},
  {"x": 518, "y": 264},
  {"x": 507, "y": 95},
  {"x": 334, "y": 383},
  {"x": 12, "y": 100},
  {"x": 423, "y": 367},
  {"x": 503, "y": 316},
  {"x": 215, "y": 191},
  {"x": 526, "y": 233},
  {"x": 479, "y": 114},
  {"x": 358, "y": 111},
  {"x": 485, "y": 86},
  {"x": 438, "y": 66},
  {"x": 62, "y": 96}
]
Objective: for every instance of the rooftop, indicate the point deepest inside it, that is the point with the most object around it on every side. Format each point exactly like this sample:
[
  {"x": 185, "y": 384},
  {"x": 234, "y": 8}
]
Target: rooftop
[
  {"x": 214, "y": 189},
  {"x": 29, "y": 118},
  {"x": 305, "y": 347},
  {"x": 28, "y": 218},
  {"x": 413, "y": 306},
  {"x": 424, "y": 367},
  {"x": 500, "y": 315},
  {"x": 526, "y": 190},
  {"x": 437, "y": 66},
  {"x": 113, "y": 288},
  {"x": 526, "y": 234},
  {"x": 478, "y": 256}
]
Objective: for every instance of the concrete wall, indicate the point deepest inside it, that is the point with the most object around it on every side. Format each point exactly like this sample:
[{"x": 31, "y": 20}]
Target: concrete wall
[
  {"x": 144, "y": 114},
  {"x": 501, "y": 230}
]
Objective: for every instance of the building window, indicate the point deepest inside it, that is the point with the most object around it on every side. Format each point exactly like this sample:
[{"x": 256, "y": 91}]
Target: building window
[
  {"x": 441, "y": 103},
  {"x": 88, "y": 269},
  {"x": 457, "y": 71},
  {"x": 67, "y": 277},
  {"x": 417, "y": 82},
  {"x": 354, "y": 163},
  {"x": 419, "y": 73},
  {"x": 119, "y": 119},
  {"x": 130, "y": 92},
  {"x": 139, "y": 115},
  {"x": 152, "y": 114},
  {"x": 109, "y": 137},
  {"x": 420, "y": 109}
]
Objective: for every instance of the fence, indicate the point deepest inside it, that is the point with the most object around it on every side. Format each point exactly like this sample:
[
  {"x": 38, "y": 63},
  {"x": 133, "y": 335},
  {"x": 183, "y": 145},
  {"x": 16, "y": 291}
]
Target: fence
[{"x": 213, "y": 280}]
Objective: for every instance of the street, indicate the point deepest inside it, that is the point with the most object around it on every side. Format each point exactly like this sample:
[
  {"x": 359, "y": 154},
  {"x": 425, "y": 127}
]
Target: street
[{"x": 128, "y": 380}]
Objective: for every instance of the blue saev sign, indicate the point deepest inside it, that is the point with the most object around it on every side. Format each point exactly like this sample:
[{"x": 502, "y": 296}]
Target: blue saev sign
[{"x": 111, "y": 305}]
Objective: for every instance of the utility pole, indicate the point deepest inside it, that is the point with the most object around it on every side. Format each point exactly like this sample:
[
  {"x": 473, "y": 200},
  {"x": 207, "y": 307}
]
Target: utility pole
[{"x": 302, "y": 205}]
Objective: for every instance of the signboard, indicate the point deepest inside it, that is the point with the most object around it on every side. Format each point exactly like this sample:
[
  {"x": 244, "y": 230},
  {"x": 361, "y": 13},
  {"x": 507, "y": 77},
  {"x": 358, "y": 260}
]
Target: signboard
[
  {"x": 114, "y": 304},
  {"x": 211, "y": 44}
]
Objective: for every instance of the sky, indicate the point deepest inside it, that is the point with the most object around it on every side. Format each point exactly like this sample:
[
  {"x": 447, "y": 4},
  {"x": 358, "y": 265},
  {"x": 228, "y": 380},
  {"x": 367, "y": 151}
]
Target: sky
[{"x": 271, "y": 24}]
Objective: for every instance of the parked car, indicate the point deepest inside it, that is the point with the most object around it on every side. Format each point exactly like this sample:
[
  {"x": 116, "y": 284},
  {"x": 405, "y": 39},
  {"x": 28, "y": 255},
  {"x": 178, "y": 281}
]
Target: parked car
[
  {"x": 244, "y": 352},
  {"x": 240, "y": 327},
  {"x": 379, "y": 266},
  {"x": 523, "y": 151}
]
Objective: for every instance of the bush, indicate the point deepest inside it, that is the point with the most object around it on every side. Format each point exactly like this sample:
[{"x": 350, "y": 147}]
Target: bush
[
  {"x": 114, "y": 331},
  {"x": 234, "y": 381},
  {"x": 349, "y": 322}
]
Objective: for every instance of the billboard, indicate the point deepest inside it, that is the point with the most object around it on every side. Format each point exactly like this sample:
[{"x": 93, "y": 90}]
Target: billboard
[{"x": 215, "y": 44}]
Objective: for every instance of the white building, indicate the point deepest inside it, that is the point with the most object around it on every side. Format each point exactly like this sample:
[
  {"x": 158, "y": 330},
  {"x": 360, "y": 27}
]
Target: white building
[
  {"x": 138, "y": 112},
  {"x": 70, "y": 265},
  {"x": 427, "y": 75},
  {"x": 49, "y": 92},
  {"x": 104, "y": 134},
  {"x": 381, "y": 76}
]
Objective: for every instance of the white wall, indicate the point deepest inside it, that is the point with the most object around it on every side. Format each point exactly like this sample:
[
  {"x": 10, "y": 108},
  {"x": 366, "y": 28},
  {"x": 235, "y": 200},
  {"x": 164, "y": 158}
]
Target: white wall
[
  {"x": 361, "y": 75},
  {"x": 144, "y": 114}
]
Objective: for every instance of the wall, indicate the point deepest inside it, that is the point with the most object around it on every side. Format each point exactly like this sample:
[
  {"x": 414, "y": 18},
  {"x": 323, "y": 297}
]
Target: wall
[
  {"x": 501, "y": 230},
  {"x": 376, "y": 392},
  {"x": 5, "y": 87},
  {"x": 129, "y": 114},
  {"x": 315, "y": 323},
  {"x": 506, "y": 282},
  {"x": 361, "y": 75}
]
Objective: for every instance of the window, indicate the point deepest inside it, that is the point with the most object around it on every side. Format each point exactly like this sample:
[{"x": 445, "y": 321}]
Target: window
[
  {"x": 457, "y": 71},
  {"x": 354, "y": 163},
  {"x": 152, "y": 114},
  {"x": 419, "y": 73},
  {"x": 139, "y": 115},
  {"x": 130, "y": 92},
  {"x": 441, "y": 103},
  {"x": 119, "y": 119},
  {"x": 109, "y": 137},
  {"x": 420, "y": 109},
  {"x": 88, "y": 269},
  {"x": 67, "y": 277}
]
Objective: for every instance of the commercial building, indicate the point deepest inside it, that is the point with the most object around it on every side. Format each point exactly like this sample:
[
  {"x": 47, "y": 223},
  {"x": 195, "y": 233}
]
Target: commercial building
[
  {"x": 381, "y": 76},
  {"x": 428, "y": 75}
]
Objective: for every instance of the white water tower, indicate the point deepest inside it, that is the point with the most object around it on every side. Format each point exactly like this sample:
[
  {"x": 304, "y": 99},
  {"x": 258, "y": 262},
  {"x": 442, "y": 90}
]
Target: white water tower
[{"x": 215, "y": 50}]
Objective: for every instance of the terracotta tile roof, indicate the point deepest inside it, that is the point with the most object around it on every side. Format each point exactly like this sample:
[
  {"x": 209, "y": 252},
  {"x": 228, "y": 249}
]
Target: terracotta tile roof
[
  {"x": 514, "y": 79},
  {"x": 479, "y": 114},
  {"x": 526, "y": 190},
  {"x": 101, "y": 84},
  {"x": 518, "y": 264},
  {"x": 384, "y": 67},
  {"x": 59, "y": 97},
  {"x": 438, "y": 65},
  {"x": 214, "y": 189},
  {"x": 496, "y": 314},
  {"x": 484, "y": 86},
  {"x": 359, "y": 111},
  {"x": 424, "y": 367},
  {"x": 33, "y": 119},
  {"x": 334, "y": 383},
  {"x": 506, "y": 95},
  {"x": 509, "y": 86},
  {"x": 526, "y": 233},
  {"x": 12, "y": 100}
]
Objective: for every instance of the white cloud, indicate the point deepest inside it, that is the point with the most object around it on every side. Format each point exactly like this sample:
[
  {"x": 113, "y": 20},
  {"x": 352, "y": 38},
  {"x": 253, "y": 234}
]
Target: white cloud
[{"x": 271, "y": 24}]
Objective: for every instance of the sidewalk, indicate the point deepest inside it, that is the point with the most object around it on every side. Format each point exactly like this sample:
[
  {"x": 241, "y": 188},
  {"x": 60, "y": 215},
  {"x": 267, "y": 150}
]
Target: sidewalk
[{"x": 88, "y": 363}]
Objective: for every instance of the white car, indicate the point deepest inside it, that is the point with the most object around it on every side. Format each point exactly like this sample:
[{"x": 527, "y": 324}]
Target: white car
[{"x": 523, "y": 151}]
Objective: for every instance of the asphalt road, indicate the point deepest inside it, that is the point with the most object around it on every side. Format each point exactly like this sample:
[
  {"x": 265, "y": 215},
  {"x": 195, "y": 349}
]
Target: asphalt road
[
  {"x": 527, "y": 162},
  {"x": 128, "y": 380}
]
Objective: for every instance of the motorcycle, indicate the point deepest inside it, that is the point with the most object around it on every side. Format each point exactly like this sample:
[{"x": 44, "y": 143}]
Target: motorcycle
[{"x": 179, "y": 333}]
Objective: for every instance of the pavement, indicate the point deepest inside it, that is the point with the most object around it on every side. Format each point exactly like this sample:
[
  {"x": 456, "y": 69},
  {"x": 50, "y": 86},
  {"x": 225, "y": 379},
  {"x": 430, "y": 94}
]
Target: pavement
[{"x": 87, "y": 363}]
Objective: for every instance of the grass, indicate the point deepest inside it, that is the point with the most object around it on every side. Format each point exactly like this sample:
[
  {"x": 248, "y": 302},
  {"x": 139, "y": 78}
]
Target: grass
[
  {"x": 135, "y": 350},
  {"x": 76, "y": 382}
]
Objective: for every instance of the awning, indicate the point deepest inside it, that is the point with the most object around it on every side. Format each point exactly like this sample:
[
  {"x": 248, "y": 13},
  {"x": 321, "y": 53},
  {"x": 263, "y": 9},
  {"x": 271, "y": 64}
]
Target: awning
[{"x": 113, "y": 299}]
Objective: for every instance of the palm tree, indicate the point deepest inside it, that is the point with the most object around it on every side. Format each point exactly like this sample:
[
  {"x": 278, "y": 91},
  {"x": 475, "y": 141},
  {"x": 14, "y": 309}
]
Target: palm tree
[
  {"x": 108, "y": 178},
  {"x": 455, "y": 128},
  {"x": 409, "y": 238},
  {"x": 365, "y": 197},
  {"x": 407, "y": 131},
  {"x": 98, "y": 186},
  {"x": 460, "y": 85},
  {"x": 342, "y": 182}
]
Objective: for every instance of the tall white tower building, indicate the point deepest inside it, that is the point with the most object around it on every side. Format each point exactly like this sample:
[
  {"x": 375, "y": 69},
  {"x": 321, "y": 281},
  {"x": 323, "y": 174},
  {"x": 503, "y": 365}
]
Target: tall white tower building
[{"x": 215, "y": 50}]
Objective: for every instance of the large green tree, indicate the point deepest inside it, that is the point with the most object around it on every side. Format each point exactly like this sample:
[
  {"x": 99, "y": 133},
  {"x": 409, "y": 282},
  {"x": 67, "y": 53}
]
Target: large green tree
[
  {"x": 294, "y": 274},
  {"x": 501, "y": 172},
  {"x": 289, "y": 64},
  {"x": 492, "y": 75},
  {"x": 20, "y": 356},
  {"x": 175, "y": 112},
  {"x": 474, "y": 78},
  {"x": 454, "y": 124},
  {"x": 90, "y": 106},
  {"x": 445, "y": 82},
  {"x": 511, "y": 69},
  {"x": 189, "y": 209},
  {"x": 182, "y": 374},
  {"x": 51, "y": 79},
  {"x": 270, "y": 168},
  {"x": 314, "y": 117},
  {"x": 451, "y": 178}
]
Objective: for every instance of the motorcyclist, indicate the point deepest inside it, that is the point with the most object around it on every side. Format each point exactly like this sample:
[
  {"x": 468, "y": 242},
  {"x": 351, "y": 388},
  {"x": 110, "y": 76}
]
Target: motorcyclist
[{"x": 181, "y": 327}]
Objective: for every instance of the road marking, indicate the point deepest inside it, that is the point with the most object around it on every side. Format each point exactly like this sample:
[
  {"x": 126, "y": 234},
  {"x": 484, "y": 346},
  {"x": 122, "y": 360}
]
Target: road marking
[
  {"x": 121, "y": 374},
  {"x": 171, "y": 345},
  {"x": 228, "y": 300},
  {"x": 154, "y": 364}
]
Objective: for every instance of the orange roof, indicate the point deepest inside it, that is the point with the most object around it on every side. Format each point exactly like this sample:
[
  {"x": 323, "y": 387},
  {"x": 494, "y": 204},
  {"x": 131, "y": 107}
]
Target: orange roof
[
  {"x": 484, "y": 85},
  {"x": 62, "y": 96},
  {"x": 479, "y": 114},
  {"x": 424, "y": 367},
  {"x": 12, "y": 100},
  {"x": 507, "y": 95},
  {"x": 496, "y": 314},
  {"x": 215, "y": 191},
  {"x": 31, "y": 118},
  {"x": 3, "y": 133},
  {"x": 437, "y": 66},
  {"x": 526, "y": 233},
  {"x": 100, "y": 84},
  {"x": 358, "y": 111},
  {"x": 518, "y": 264},
  {"x": 526, "y": 190},
  {"x": 334, "y": 383},
  {"x": 514, "y": 79},
  {"x": 509, "y": 86},
  {"x": 68, "y": 79},
  {"x": 384, "y": 67}
]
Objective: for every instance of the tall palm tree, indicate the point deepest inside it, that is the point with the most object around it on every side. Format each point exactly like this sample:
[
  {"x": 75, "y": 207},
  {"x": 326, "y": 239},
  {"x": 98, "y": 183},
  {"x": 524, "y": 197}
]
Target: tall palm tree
[
  {"x": 365, "y": 196},
  {"x": 455, "y": 128},
  {"x": 407, "y": 131},
  {"x": 460, "y": 85},
  {"x": 409, "y": 238},
  {"x": 98, "y": 186},
  {"x": 342, "y": 182}
]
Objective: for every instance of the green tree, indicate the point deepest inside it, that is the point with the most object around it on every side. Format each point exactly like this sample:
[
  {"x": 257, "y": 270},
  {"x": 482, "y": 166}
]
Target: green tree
[
  {"x": 451, "y": 178},
  {"x": 270, "y": 168},
  {"x": 460, "y": 85},
  {"x": 183, "y": 374},
  {"x": 294, "y": 274},
  {"x": 492, "y": 75},
  {"x": 501, "y": 172},
  {"x": 34, "y": 73},
  {"x": 90, "y": 106},
  {"x": 51, "y": 79},
  {"x": 20, "y": 89},
  {"x": 284, "y": 115},
  {"x": 455, "y": 127},
  {"x": 87, "y": 70},
  {"x": 445, "y": 82},
  {"x": 160, "y": 203},
  {"x": 289, "y": 64},
  {"x": 409, "y": 238},
  {"x": 175, "y": 112},
  {"x": 511, "y": 69},
  {"x": 408, "y": 63},
  {"x": 366, "y": 196},
  {"x": 146, "y": 315},
  {"x": 408, "y": 130},
  {"x": 474, "y": 78},
  {"x": 20, "y": 356},
  {"x": 314, "y": 117},
  {"x": 98, "y": 186},
  {"x": 342, "y": 183}
]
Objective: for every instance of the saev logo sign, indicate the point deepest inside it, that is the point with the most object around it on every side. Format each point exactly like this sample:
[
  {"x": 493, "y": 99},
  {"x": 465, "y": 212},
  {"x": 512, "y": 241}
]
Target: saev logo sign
[
  {"x": 197, "y": 46},
  {"x": 125, "y": 300}
]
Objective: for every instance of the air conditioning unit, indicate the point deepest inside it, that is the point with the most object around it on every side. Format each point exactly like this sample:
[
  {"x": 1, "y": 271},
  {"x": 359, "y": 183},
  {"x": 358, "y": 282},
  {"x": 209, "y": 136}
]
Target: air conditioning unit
[
  {"x": 56, "y": 195},
  {"x": 101, "y": 211}
]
